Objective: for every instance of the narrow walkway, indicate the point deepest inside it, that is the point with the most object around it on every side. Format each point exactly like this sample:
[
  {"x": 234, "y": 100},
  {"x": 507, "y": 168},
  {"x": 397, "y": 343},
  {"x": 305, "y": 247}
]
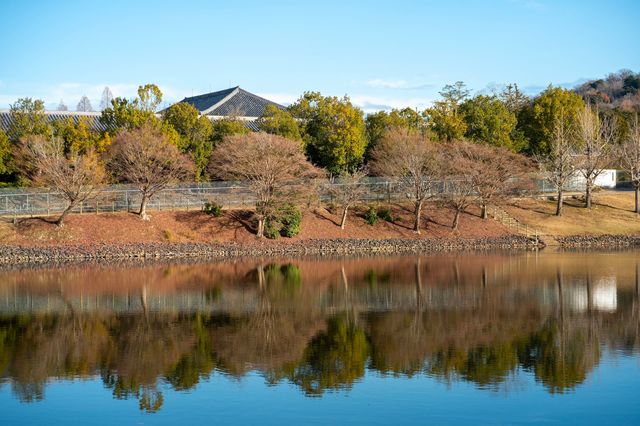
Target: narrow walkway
[{"x": 506, "y": 219}]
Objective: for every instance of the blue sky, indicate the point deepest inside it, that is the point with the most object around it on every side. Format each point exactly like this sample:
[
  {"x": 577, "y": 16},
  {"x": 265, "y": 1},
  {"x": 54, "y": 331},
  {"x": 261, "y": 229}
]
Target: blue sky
[{"x": 381, "y": 53}]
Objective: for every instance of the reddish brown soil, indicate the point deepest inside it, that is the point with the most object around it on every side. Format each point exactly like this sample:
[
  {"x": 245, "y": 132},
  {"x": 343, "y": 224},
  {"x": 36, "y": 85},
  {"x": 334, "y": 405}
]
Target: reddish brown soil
[{"x": 235, "y": 226}]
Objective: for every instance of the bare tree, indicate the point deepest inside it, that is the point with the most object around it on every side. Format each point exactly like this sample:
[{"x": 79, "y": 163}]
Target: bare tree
[
  {"x": 558, "y": 165},
  {"x": 107, "y": 97},
  {"x": 266, "y": 162},
  {"x": 76, "y": 177},
  {"x": 595, "y": 137},
  {"x": 84, "y": 104},
  {"x": 347, "y": 189},
  {"x": 459, "y": 191},
  {"x": 494, "y": 172},
  {"x": 411, "y": 158},
  {"x": 143, "y": 156},
  {"x": 629, "y": 155},
  {"x": 62, "y": 106}
]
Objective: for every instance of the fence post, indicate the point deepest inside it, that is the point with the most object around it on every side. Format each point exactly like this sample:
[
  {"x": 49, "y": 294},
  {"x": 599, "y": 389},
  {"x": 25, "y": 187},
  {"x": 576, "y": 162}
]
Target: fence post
[
  {"x": 48, "y": 206},
  {"x": 81, "y": 204},
  {"x": 126, "y": 199},
  {"x": 389, "y": 194}
]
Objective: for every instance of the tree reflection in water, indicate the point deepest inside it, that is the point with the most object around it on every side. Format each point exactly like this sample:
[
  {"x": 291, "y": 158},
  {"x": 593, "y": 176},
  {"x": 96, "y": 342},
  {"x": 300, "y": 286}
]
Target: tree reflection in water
[{"x": 318, "y": 325}]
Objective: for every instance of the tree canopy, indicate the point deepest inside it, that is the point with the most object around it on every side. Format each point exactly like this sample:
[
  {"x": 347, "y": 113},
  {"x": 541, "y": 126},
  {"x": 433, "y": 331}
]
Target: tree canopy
[
  {"x": 27, "y": 118},
  {"x": 279, "y": 122},
  {"x": 194, "y": 132},
  {"x": 378, "y": 123},
  {"x": 538, "y": 120},
  {"x": 333, "y": 130},
  {"x": 489, "y": 121}
]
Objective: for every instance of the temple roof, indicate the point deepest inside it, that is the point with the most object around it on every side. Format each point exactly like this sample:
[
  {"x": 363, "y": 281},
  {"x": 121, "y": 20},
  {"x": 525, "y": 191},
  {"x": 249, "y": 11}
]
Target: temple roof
[{"x": 230, "y": 102}]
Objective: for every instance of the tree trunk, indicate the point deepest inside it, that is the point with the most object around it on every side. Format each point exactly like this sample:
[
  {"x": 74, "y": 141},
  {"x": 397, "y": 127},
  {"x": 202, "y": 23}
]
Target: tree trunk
[
  {"x": 143, "y": 207},
  {"x": 637, "y": 209},
  {"x": 483, "y": 211},
  {"x": 587, "y": 195},
  {"x": 418, "y": 214},
  {"x": 344, "y": 216},
  {"x": 559, "y": 205},
  {"x": 456, "y": 220},
  {"x": 260, "y": 232},
  {"x": 60, "y": 220}
]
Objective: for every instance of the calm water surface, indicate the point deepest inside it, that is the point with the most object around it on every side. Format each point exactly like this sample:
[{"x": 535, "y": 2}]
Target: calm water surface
[{"x": 444, "y": 339}]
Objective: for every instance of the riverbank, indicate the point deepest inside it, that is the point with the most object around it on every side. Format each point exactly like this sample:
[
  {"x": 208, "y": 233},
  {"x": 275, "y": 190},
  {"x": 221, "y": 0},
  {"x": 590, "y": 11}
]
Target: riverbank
[
  {"x": 611, "y": 214},
  {"x": 72, "y": 253},
  {"x": 196, "y": 235}
]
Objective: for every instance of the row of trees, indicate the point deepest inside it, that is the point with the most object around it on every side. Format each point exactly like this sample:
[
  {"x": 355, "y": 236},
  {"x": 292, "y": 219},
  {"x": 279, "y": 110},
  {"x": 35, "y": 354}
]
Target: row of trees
[
  {"x": 144, "y": 156},
  {"x": 586, "y": 146},
  {"x": 326, "y": 135},
  {"x": 84, "y": 104},
  {"x": 334, "y": 133}
]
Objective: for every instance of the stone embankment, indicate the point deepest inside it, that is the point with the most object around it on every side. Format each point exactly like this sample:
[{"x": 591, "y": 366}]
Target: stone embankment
[
  {"x": 60, "y": 254},
  {"x": 599, "y": 241}
]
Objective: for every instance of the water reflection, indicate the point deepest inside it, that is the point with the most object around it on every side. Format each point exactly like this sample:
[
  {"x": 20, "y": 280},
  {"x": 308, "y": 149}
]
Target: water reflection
[{"x": 320, "y": 325}]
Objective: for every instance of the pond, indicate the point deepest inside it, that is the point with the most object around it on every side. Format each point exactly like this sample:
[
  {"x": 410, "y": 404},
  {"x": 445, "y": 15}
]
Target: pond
[{"x": 497, "y": 338}]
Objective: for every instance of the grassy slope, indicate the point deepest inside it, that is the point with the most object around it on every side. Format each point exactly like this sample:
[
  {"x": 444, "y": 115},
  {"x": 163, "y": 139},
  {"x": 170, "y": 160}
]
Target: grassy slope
[
  {"x": 235, "y": 226},
  {"x": 611, "y": 214}
]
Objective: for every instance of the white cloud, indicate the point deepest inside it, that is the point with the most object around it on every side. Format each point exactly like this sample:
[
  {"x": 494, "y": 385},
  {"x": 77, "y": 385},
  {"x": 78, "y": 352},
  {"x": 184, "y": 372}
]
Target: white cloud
[
  {"x": 381, "y": 83},
  {"x": 386, "y": 84},
  {"x": 376, "y": 103},
  {"x": 280, "y": 98},
  {"x": 365, "y": 102}
]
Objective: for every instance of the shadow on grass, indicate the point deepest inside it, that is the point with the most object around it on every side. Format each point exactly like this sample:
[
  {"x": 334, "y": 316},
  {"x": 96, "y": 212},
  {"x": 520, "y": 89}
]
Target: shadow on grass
[
  {"x": 230, "y": 219},
  {"x": 322, "y": 216}
]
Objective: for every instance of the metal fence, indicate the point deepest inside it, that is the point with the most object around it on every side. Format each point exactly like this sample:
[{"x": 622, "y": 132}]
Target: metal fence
[{"x": 117, "y": 198}]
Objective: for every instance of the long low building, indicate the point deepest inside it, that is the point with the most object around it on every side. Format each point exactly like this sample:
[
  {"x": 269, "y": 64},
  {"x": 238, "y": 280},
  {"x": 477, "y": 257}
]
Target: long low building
[{"x": 233, "y": 102}]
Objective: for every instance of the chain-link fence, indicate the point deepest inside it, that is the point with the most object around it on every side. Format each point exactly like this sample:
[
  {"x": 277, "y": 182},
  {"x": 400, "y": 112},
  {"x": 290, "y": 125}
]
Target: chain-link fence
[{"x": 116, "y": 198}]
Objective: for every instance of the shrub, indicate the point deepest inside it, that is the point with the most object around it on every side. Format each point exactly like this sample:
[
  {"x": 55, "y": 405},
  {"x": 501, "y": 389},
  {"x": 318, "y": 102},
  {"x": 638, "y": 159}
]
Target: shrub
[
  {"x": 371, "y": 216},
  {"x": 272, "y": 228},
  {"x": 213, "y": 209},
  {"x": 285, "y": 221},
  {"x": 290, "y": 217},
  {"x": 385, "y": 214}
]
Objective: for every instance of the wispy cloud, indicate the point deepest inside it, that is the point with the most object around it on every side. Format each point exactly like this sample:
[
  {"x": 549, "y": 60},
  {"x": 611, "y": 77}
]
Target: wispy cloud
[
  {"x": 280, "y": 98},
  {"x": 381, "y": 83},
  {"x": 376, "y": 103},
  {"x": 365, "y": 102},
  {"x": 534, "y": 89}
]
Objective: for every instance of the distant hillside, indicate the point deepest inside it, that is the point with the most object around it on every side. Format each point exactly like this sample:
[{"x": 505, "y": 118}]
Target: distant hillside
[{"x": 617, "y": 90}]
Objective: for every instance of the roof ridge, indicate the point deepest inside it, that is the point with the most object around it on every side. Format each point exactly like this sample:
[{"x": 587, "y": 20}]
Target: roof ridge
[
  {"x": 210, "y": 93},
  {"x": 221, "y": 101}
]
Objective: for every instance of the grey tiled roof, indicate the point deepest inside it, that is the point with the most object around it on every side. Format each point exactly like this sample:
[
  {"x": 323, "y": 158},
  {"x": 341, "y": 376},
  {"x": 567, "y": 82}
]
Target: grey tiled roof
[
  {"x": 252, "y": 125},
  {"x": 203, "y": 102},
  {"x": 244, "y": 104},
  {"x": 232, "y": 101},
  {"x": 92, "y": 119}
]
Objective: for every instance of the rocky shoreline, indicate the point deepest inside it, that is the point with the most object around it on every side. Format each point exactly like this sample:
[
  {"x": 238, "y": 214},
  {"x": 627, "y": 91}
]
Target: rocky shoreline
[
  {"x": 599, "y": 241},
  {"x": 16, "y": 255}
]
